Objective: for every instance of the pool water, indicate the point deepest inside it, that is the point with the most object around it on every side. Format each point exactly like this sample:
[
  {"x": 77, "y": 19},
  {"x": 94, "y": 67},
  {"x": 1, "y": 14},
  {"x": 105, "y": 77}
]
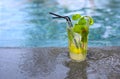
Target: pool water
[{"x": 27, "y": 23}]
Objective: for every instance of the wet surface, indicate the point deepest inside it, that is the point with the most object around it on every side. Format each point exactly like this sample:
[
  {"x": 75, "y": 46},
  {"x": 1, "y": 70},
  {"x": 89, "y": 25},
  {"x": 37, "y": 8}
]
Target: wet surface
[{"x": 53, "y": 63}]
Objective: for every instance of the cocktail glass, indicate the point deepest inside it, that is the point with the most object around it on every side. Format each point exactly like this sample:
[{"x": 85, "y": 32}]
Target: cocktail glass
[
  {"x": 77, "y": 44},
  {"x": 77, "y": 35}
]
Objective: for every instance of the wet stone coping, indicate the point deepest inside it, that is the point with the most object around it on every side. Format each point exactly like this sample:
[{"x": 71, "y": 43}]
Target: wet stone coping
[{"x": 54, "y": 63}]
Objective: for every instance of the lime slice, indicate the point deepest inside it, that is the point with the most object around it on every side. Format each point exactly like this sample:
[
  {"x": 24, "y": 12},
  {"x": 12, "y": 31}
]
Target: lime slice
[{"x": 90, "y": 19}]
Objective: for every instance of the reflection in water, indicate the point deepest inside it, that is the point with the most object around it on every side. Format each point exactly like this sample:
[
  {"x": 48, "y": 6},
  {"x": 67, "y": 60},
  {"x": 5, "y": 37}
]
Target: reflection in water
[{"x": 77, "y": 70}]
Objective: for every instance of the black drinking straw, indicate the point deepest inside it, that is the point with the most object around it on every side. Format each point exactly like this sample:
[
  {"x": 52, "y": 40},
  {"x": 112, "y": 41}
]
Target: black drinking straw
[
  {"x": 65, "y": 17},
  {"x": 69, "y": 24}
]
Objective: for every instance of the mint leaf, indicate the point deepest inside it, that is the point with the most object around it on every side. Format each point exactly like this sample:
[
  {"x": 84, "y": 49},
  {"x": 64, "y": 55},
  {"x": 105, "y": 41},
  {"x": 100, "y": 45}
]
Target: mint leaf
[
  {"x": 82, "y": 21},
  {"x": 76, "y": 16},
  {"x": 77, "y": 28}
]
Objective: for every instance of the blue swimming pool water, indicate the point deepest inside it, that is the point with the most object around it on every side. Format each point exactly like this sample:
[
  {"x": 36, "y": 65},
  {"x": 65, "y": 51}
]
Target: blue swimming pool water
[{"x": 26, "y": 23}]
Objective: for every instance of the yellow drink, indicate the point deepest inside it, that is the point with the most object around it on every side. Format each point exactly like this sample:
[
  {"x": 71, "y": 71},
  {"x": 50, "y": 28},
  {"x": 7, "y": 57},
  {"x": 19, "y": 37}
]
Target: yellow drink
[
  {"x": 76, "y": 53},
  {"x": 77, "y": 48}
]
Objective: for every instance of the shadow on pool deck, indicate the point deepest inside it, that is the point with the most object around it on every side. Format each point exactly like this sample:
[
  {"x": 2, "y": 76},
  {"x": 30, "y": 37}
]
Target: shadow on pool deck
[{"x": 54, "y": 63}]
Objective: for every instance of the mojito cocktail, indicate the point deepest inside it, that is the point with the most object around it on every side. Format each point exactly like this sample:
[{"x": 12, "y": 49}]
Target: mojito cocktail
[{"x": 78, "y": 37}]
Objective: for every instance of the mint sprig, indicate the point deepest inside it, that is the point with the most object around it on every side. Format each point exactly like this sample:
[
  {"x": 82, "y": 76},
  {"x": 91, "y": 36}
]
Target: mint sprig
[{"x": 82, "y": 25}]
